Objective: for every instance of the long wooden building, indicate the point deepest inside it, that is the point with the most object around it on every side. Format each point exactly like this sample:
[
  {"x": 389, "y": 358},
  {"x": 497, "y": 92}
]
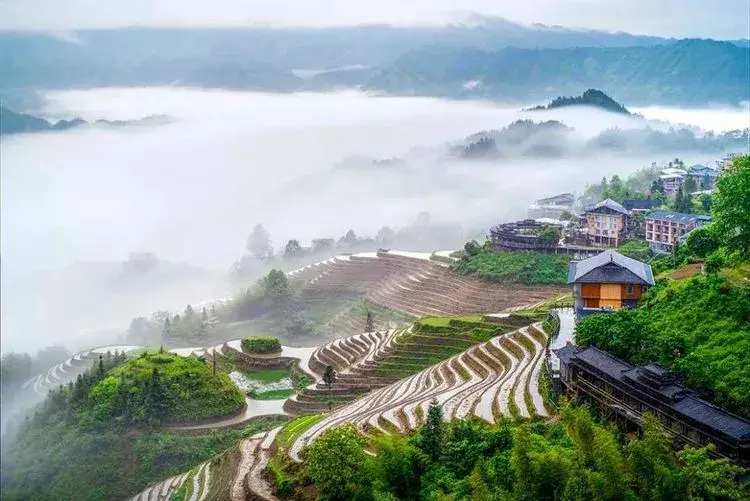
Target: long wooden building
[{"x": 627, "y": 392}]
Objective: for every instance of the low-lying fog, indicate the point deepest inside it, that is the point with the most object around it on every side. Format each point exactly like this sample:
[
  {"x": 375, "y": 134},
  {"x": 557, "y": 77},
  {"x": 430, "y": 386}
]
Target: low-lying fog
[{"x": 191, "y": 191}]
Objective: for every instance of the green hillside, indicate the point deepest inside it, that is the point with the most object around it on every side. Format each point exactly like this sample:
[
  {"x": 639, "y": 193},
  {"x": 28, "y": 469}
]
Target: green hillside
[
  {"x": 165, "y": 387},
  {"x": 518, "y": 267}
]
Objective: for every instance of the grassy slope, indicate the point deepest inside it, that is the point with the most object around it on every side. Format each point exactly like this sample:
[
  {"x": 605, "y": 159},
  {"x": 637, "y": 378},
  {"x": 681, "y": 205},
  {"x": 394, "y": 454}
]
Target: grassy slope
[
  {"x": 515, "y": 267},
  {"x": 435, "y": 339}
]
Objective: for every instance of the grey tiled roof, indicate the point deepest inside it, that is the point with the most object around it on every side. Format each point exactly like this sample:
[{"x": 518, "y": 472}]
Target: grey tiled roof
[
  {"x": 610, "y": 267},
  {"x": 673, "y": 395},
  {"x": 641, "y": 204},
  {"x": 679, "y": 217},
  {"x": 609, "y": 204}
]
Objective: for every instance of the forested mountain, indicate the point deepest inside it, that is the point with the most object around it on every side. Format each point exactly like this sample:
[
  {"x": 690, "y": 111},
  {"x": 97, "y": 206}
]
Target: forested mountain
[
  {"x": 485, "y": 59},
  {"x": 527, "y": 138},
  {"x": 591, "y": 97},
  {"x": 289, "y": 48},
  {"x": 16, "y": 123},
  {"x": 689, "y": 71}
]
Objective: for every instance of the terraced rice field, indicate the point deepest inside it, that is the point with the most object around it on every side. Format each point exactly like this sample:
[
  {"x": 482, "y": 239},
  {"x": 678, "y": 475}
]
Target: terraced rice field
[
  {"x": 68, "y": 370},
  {"x": 415, "y": 283},
  {"x": 247, "y": 482},
  {"x": 491, "y": 380}
]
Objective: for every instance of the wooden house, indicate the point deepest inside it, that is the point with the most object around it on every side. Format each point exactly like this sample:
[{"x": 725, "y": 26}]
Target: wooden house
[
  {"x": 625, "y": 393},
  {"x": 608, "y": 281}
]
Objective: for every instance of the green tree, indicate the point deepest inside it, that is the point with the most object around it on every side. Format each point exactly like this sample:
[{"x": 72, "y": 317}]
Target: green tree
[
  {"x": 431, "y": 434},
  {"x": 708, "y": 479},
  {"x": 395, "y": 468},
  {"x": 701, "y": 241},
  {"x": 706, "y": 203},
  {"x": 329, "y": 376},
  {"x": 652, "y": 462},
  {"x": 369, "y": 322},
  {"x": 472, "y": 248},
  {"x": 276, "y": 285},
  {"x": 385, "y": 237},
  {"x": 690, "y": 185},
  {"x": 731, "y": 206},
  {"x": 682, "y": 202},
  {"x": 549, "y": 236},
  {"x": 349, "y": 240},
  {"x": 292, "y": 249},
  {"x": 157, "y": 405},
  {"x": 336, "y": 462},
  {"x": 189, "y": 311},
  {"x": 566, "y": 215},
  {"x": 259, "y": 243}
]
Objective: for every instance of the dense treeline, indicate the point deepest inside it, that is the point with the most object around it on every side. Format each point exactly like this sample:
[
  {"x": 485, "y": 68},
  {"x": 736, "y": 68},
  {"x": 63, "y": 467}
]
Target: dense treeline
[
  {"x": 573, "y": 458},
  {"x": 590, "y": 97}
]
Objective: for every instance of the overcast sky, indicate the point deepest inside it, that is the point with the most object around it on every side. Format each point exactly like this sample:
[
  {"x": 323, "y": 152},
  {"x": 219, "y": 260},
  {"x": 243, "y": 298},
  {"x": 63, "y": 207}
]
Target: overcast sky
[{"x": 678, "y": 18}]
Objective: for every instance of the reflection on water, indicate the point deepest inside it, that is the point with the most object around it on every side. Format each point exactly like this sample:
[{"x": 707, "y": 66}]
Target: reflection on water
[
  {"x": 253, "y": 408},
  {"x": 567, "y": 328}
]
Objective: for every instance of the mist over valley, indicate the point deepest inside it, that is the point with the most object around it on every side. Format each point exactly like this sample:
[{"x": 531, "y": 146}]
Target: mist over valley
[{"x": 75, "y": 203}]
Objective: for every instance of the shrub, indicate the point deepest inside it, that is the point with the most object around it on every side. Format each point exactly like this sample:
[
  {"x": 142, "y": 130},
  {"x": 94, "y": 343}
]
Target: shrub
[
  {"x": 261, "y": 345},
  {"x": 714, "y": 262}
]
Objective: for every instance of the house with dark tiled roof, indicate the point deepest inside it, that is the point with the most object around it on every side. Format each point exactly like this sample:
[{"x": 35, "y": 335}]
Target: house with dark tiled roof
[
  {"x": 606, "y": 223},
  {"x": 641, "y": 205},
  {"x": 607, "y": 282},
  {"x": 664, "y": 228},
  {"x": 705, "y": 177},
  {"x": 627, "y": 392}
]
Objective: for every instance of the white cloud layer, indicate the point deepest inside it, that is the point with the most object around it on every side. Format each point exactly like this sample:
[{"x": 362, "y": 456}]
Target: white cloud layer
[
  {"x": 678, "y": 18},
  {"x": 191, "y": 191}
]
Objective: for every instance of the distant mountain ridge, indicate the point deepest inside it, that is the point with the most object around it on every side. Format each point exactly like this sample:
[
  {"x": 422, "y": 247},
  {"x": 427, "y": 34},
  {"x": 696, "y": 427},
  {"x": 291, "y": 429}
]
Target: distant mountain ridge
[
  {"x": 689, "y": 71},
  {"x": 483, "y": 58},
  {"x": 17, "y": 123},
  {"x": 590, "y": 97}
]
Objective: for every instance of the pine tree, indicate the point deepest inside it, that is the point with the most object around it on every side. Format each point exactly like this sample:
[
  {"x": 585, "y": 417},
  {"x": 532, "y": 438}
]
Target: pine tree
[
  {"x": 156, "y": 397},
  {"x": 100, "y": 372},
  {"x": 204, "y": 315},
  {"x": 329, "y": 376},
  {"x": 369, "y": 322},
  {"x": 432, "y": 431},
  {"x": 188, "y": 310}
]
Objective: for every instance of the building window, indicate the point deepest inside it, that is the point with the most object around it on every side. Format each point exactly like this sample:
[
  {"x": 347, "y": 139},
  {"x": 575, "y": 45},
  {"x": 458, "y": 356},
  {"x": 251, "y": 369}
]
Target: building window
[{"x": 629, "y": 289}]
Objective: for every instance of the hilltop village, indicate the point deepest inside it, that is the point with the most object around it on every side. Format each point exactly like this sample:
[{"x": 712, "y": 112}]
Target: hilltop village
[{"x": 597, "y": 349}]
